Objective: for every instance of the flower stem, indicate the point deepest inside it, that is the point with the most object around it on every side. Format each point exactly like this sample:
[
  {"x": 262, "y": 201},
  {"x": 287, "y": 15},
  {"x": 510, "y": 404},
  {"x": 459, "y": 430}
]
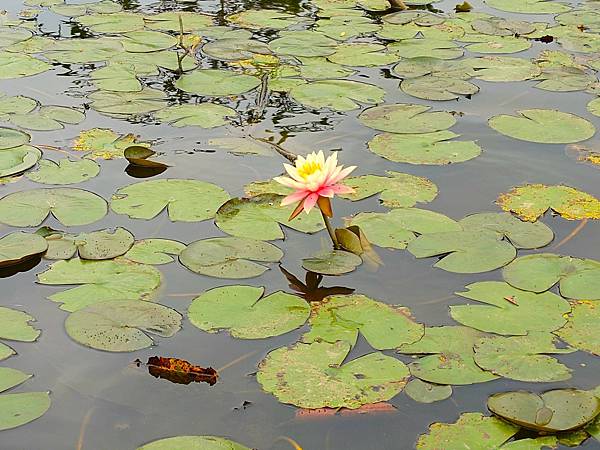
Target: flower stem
[{"x": 330, "y": 230}]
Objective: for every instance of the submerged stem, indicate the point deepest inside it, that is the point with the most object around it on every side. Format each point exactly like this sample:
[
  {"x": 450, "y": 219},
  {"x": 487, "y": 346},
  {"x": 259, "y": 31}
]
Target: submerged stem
[{"x": 330, "y": 230}]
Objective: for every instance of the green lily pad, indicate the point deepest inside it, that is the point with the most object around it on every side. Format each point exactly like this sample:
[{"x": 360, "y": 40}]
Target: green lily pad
[
  {"x": 497, "y": 26},
  {"x": 81, "y": 51},
  {"x": 435, "y": 48},
  {"x": 531, "y": 201},
  {"x": 578, "y": 278},
  {"x": 362, "y": 54},
  {"x": 48, "y": 118},
  {"x": 496, "y": 44},
  {"x": 424, "y": 392},
  {"x": 95, "y": 245},
  {"x": 502, "y": 68},
  {"x": 261, "y": 217},
  {"x": 169, "y": 21},
  {"x": 15, "y": 65},
  {"x": 303, "y": 43},
  {"x": 114, "y": 23},
  {"x": 449, "y": 356},
  {"x": 147, "y": 41},
  {"x": 467, "y": 251},
  {"x": 20, "y": 409},
  {"x": 522, "y": 313},
  {"x": 580, "y": 330},
  {"x": 18, "y": 159},
  {"x": 217, "y": 82},
  {"x": 523, "y": 358},
  {"x": 341, "y": 317},
  {"x": 438, "y": 88},
  {"x": 397, "y": 190},
  {"x": 65, "y": 171},
  {"x": 121, "y": 104},
  {"x": 6, "y": 351},
  {"x": 406, "y": 118},
  {"x": 13, "y": 35},
  {"x": 122, "y": 325},
  {"x": 117, "y": 78},
  {"x": 332, "y": 262},
  {"x": 471, "y": 430},
  {"x": 426, "y": 65},
  {"x": 15, "y": 326},
  {"x": 246, "y": 313},
  {"x": 242, "y": 146},
  {"x": 339, "y": 95},
  {"x": 235, "y": 49},
  {"x": 17, "y": 104},
  {"x": 344, "y": 27},
  {"x": 426, "y": 148},
  {"x": 541, "y": 443},
  {"x": 552, "y": 411},
  {"x": 229, "y": 257},
  {"x": 185, "y": 200},
  {"x": 190, "y": 442},
  {"x": 10, "y": 138},
  {"x": 529, "y": 6},
  {"x": 101, "y": 281},
  {"x": 71, "y": 207},
  {"x": 594, "y": 107},
  {"x": 545, "y": 126},
  {"x": 154, "y": 251},
  {"x": 290, "y": 373},
  {"x": 19, "y": 246},
  {"x": 317, "y": 68},
  {"x": 258, "y": 19},
  {"x": 10, "y": 378},
  {"x": 203, "y": 115},
  {"x": 396, "y": 228},
  {"x": 101, "y": 7}
]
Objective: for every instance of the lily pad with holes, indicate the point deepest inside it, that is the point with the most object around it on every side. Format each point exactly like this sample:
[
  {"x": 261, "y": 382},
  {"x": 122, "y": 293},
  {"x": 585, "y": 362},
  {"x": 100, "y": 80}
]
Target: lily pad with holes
[
  {"x": 396, "y": 228},
  {"x": 199, "y": 442},
  {"x": 339, "y": 95},
  {"x": 332, "y": 262},
  {"x": 122, "y": 325},
  {"x": 510, "y": 311},
  {"x": 523, "y": 358},
  {"x": 65, "y": 171},
  {"x": 121, "y": 104},
  {"x": 19, "y": 246},
  {"x": 471, "y": 430},
  {"x": 18, "y": 159},
  {"x": 341, "y": 317},
  {"x": 261, "y": 217},
  {"x": 15, "y": 65},
  {"x": 71, "y": 207},
  {"x": 397, "y": 190},
  {"x": 303, "y": 44},
  {"x": 185, "y": 200},
  {"x": 95, "y": 245},
  {"x": 580, "y": 330},
  {"x": 531, "y": 201},
  {"x": 424, "y": 392},
  {"x": 22, "y": 408},
  {"x": 203, "y": 115},
  {"x": 578, "y": 278},
  {"x": 406, "y": 118},
  {"x": 154, "y": 251},
  {"x": 438, "y": 88},
  {"x": 229, "y": 257},
  {"x": 449, "y": 356},
  {"x": 100, "y": 281},
  {"x": 552, "y": 411},
  {"x": 290, "y": 373},
  {"x": 545, "y": 126},
  {"x": 437, "y": 148},
  {"x": 246, "y": 313},
  {"x": 217, "y": 82},
  {"x": 15, "y": 326},
  {"x": 10, "y": 138}
]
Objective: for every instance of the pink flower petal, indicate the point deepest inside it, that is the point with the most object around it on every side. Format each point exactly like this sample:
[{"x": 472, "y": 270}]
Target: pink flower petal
[
  {"x": 289, "y": 182},
  {"x": 327, "y": 191},
  {"x": 310, "y": 202},
  {"x": 343, "y": 174},
  {"x": 295, "y": 197}
]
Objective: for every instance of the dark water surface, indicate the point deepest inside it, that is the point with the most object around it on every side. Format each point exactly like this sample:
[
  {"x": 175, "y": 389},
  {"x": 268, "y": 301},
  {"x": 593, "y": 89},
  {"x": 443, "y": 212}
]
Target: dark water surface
[{"x": 109, "y": 404}]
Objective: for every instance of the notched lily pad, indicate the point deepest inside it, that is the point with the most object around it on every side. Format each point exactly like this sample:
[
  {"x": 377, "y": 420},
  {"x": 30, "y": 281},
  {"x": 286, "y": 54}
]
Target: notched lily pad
[
  {"x": 339, "y": 95},
  {"x": 154, "y": 251},
  {"x": 65, "y": 171},
  {"x": 406, "y": 119},
  {"x": 95, "y": 245},
  {"x": 423, "y": 392},
  {"x": 332, "y": 262},
  {"x": 580, "y": 330},
  {"x": 217, "y": 82}
]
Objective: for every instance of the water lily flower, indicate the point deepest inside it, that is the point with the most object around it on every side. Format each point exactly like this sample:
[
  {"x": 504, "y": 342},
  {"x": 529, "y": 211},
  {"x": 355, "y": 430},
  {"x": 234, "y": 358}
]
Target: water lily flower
[{"x": 315, "y": 181}]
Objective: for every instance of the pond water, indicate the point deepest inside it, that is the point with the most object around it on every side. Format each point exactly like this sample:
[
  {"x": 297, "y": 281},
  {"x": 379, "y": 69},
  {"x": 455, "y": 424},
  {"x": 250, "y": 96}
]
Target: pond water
[{"x": 103, "y": 401}]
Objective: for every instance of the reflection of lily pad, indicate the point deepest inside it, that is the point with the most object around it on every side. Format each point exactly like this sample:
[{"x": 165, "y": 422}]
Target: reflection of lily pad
[
  {"x": 290, "y": 373},
  {"x": 71, "y": 207},
  {"x": 341, "y": 317},
  {"x": 229, "y": 257},
  {"x": 448, "y": 356},
  {"x": 217, "y": 82},
  {"x": 332, "y": 262},
  {"x": 523, "y": 358},
  {"x": 339, "y": 95},
  {"x": 406, "y": 118},
  {"x": 510, "y": 311},
  {"x": 552, "y": 411},
  {"x": 581, "y": 330},
  {"x": 122, "y": 325},
  {"x": 578, "y": 278},
  {"x": 190, "y": 442},
  {"x": 185, "y": 200},
  {"x": 101, "y": 281},
  {"x": 246, "y": 313},
  {"x": 531, "y": 201},
  {"x": 66, "y": 171},
  {"x": 398, "y": 190},
  {"x": 471, "y": 430},
  {"x": 154, "y": 251},
  {"x": 544, "y": 126},
  {"x": 261, "y": 217},
  {"x": 19, "y": 246}
]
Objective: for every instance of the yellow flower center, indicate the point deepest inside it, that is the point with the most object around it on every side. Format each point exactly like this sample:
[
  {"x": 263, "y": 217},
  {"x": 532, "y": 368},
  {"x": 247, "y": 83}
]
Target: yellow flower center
[{"x": 308, "y": 168}]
